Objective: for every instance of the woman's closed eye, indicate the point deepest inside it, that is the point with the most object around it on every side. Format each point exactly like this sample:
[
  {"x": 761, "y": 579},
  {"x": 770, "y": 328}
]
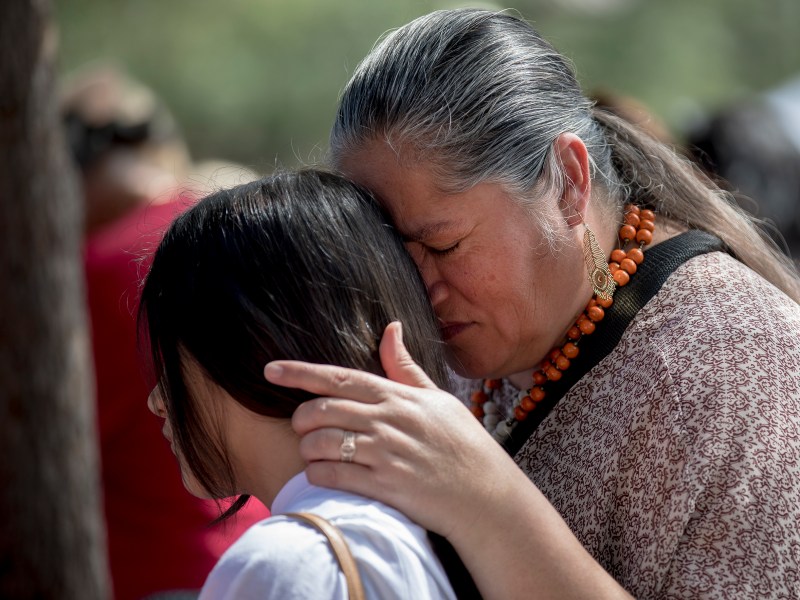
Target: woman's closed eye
[{"x": 443, "y": 251}]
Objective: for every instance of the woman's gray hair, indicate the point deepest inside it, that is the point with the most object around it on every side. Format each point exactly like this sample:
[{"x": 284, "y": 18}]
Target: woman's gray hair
[{"x": 480, "y": 96}]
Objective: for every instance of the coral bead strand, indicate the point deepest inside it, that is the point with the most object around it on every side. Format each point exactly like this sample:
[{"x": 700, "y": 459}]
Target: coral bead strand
[{"x": 635, "y": 233}]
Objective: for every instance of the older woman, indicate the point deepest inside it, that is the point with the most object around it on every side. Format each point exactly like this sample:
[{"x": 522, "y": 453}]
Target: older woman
[{"x": 632, "y": 334}]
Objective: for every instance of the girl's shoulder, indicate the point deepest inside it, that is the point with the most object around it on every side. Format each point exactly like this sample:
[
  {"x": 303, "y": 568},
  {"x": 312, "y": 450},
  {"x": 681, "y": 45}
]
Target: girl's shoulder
[
  {"x": 277, "y": 558},
  {"x": 284, "y": 557}
]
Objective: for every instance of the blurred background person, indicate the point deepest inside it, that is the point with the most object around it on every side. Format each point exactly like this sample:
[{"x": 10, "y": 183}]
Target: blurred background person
[
  {"x": 754, "y": 146},
  {"x": 634, "y": 111},
  {"x": 751, "y": 146},
  {"x": 124, "y": 141},
  {"x": 137, "y": 176}
]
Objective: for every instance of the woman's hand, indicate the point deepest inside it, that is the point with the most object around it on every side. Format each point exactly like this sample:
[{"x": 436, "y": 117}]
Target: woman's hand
[
  {"x": 420, "y": 450},
  {"x": 417, "y": 447}
]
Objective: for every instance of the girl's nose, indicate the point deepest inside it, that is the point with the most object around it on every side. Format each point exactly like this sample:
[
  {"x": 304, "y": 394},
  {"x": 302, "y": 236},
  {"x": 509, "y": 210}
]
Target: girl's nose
[{"x": 156, "y": 404}]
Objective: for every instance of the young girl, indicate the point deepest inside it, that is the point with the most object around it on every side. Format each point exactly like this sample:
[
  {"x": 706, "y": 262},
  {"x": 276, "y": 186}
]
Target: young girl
[{"x": 298, "y": 266}]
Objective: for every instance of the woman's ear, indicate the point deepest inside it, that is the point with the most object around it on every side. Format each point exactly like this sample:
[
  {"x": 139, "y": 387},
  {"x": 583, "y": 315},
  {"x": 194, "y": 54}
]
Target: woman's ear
[{"x": 577, "y": 185}]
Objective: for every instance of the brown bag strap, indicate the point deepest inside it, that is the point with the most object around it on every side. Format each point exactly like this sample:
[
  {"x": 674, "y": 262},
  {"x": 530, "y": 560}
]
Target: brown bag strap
[{"x": 342, "y": 552}]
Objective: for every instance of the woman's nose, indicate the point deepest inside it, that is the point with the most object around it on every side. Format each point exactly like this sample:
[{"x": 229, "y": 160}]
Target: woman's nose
[
  {"x": 437, "y": 292},
  {"x": 156, "y": 404},
  {"x": 434, "y": 282}
]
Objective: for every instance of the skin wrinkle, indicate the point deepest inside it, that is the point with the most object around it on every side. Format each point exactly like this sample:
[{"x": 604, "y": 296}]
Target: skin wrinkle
[{"x": 431, "y": 230}]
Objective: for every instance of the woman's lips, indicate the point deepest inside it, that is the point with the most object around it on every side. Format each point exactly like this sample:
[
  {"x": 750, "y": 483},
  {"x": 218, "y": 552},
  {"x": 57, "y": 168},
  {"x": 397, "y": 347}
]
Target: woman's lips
[{"x": 450, "y": 330}]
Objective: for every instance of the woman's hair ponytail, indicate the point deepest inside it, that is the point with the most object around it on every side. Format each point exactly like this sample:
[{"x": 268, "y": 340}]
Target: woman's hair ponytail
[{"x": 652, "y": 174}]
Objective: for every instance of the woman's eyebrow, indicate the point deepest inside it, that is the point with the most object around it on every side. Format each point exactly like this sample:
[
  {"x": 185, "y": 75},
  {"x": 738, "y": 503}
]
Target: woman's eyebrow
[{"x": 428, "y": 231}]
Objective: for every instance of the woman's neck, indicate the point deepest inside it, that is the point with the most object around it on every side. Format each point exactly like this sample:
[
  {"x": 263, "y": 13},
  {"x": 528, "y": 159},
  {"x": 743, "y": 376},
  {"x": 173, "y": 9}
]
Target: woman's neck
[{"x": 522, "y": 380}]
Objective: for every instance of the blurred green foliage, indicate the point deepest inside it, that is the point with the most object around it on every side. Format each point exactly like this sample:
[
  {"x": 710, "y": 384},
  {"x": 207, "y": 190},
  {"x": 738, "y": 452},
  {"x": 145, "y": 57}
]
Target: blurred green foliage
[{"x": 256, "y": 81}]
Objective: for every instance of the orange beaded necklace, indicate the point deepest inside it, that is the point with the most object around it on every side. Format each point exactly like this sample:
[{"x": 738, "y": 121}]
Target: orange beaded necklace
[{"x": 635, "y": 233}]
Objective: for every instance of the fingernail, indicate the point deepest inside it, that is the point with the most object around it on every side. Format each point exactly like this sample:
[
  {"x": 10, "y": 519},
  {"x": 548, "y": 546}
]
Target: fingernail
[
  {"x": 273, "y": 371},
  {"x": 400, "y": 331}
]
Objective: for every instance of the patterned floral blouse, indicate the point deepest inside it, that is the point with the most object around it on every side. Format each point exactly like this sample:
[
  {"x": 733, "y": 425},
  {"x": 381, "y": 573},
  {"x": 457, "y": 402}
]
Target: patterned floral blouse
[{"x": 676, "y": 460}]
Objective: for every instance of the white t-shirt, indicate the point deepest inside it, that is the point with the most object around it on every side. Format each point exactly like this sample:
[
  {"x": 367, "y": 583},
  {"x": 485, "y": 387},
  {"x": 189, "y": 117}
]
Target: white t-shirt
[{"x": 284, "y": 558}]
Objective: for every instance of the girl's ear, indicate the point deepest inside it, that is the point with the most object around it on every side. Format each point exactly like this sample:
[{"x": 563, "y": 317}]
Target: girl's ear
[{"x": 574, "y": 160}]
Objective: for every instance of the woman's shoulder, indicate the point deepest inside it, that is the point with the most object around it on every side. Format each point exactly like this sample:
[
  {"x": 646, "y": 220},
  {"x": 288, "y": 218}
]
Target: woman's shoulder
[
  {"x": 715, "y": 310},
  {"x": 719, "y": 286},
  {"x": 716, "y": 354},
  {"x": 711, "y": 360},
  {"x": 721, "y": 331}
]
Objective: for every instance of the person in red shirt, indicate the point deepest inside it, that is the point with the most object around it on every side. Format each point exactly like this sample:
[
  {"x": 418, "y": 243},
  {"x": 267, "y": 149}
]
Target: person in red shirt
[{"x": 132, "y": 161}]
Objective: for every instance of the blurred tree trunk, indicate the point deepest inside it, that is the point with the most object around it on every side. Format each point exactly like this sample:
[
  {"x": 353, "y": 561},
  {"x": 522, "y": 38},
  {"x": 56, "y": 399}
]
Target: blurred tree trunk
[{"x": 51, "y": 533}]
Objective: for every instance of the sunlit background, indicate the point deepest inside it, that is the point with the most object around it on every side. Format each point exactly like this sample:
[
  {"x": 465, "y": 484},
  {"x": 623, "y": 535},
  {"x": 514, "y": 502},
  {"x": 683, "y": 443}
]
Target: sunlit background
[{"x": 256, "y": 81}]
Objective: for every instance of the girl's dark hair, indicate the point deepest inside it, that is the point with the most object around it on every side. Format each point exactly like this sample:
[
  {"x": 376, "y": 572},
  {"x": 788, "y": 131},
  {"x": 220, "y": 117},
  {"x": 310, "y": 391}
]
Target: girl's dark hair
[{"x": 302, "y": 266}]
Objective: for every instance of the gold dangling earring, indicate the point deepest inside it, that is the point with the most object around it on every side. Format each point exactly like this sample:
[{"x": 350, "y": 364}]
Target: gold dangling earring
[{"x": 597, "y": 266}]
